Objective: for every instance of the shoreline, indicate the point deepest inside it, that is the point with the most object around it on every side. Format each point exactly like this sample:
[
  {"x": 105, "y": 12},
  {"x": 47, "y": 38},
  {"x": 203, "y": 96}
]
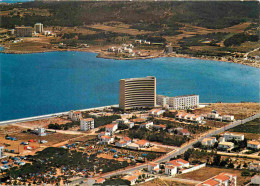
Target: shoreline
[{"x": 102, "y": 54}]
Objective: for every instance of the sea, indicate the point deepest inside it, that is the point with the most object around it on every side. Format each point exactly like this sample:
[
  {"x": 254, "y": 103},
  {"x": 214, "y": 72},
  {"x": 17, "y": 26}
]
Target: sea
[{"x": 44, "y": 83}]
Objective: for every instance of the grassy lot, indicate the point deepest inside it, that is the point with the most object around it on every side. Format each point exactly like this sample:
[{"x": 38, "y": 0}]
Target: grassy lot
[
  {"x": 208, "y": 172},
  {"x": 250, "y": 127},
  {"x": 159, "y": 182},
  {"x": 239, "y": 110}
]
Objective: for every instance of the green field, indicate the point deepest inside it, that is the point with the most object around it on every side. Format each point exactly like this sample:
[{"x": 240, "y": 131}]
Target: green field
[{"x": 250, "y": 127}]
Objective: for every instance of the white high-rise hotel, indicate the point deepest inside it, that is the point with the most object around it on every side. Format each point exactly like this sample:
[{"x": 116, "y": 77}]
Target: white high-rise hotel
[
  {"x": 178, "y": 102},
  {"x": 137, "y": 92}
]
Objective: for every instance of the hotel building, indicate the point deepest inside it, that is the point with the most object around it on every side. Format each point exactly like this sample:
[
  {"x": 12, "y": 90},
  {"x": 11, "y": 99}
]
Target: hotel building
[
  {"x": 87, "y": 124},
  {"x": 137, "y": 93},
  {"x": 23, "y": 31},
  {"x": 178, "y": 102},
  {"x": 38, "y": 28}
]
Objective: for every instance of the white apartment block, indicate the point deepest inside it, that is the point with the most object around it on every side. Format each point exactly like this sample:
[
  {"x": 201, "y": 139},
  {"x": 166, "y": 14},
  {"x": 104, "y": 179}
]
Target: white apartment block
[
  {"x": 237, "y": 137},
  {"x": 170, "y": 170},
  {"x": 1, "y": 151},
  {"x": 75, "y": 115},
  {"x": 87, "y": 124},
  {"x": 178, "y": 102}
]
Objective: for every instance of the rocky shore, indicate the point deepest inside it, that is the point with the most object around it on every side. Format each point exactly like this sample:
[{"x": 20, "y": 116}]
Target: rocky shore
[{"x": 102, "y": 54}]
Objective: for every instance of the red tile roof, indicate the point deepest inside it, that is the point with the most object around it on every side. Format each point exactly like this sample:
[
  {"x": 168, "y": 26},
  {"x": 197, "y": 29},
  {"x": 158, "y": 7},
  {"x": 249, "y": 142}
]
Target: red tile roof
[
  {"x": 126, "y": 138},
  {"x": 142, "y": 142},
  {"x": 182, "y": 161},
  {"x": 211, "y": 182},
  {"x": 110, "y": 125},
  {"x": 89, "y": 119},
  {"x": 174, "y": 163}
]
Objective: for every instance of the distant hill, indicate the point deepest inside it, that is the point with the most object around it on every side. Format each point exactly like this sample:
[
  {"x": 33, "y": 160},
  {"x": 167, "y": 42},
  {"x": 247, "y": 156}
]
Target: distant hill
[{"x": 145, "y": 15}]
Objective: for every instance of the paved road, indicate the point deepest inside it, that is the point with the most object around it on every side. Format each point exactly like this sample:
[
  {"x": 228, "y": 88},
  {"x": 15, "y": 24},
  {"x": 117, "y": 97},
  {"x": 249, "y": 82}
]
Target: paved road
[
  {"x": 172, "y": 154},
  {"x": 49, "y": 115}
]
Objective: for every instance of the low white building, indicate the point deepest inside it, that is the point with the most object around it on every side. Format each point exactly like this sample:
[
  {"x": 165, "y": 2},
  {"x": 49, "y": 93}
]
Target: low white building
[
  {"x": 178, "y": 102},
  {"x": 255, "y": 180},
  {"x": 1, "y": 151},
  {"x": 212, "y": 115},
  {"x": 170, "y": 170},
  {"x": 253, "y": 144},
  {"x": 228, "y": 118},
  {"x": 106, "y": 140},
  {"x": 130, "y": 124},
  {"x": 209, "y": 141},
  {"x": 111, "y": 128},
  {"x": 86, "y": 124},
  {"x": 147, "y": 125},
  {"x": 131, "y": 178},
  {"x": 223, "y": 179},
  {"x": 143, "y": 143},
  {"x": 156, "y": 112},
  {"x": 75, "y": 115},
  {"x": 121, "y": 143},
  {"x": 153, "y": 167},
  {"x": 178, "y": 163},
  {"x": 103, "y": 134},
  {"x": 41, "y": 131},
  {"x": 237, "y": 137},
  {"x": 160, "y": 126},
  {"x": 226, "y": 145}
]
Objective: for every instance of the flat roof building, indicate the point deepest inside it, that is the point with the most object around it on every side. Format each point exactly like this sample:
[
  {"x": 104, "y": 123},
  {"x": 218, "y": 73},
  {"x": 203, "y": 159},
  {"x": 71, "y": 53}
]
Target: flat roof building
[
  {"x": 137, "y": 93},
  {"x": 23, "y": 31},
  {"x": 38, "y": 27}
]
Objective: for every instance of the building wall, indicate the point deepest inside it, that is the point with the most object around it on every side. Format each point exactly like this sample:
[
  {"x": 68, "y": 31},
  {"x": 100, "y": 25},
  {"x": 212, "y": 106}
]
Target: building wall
[
  {"x": 137, "y": 92},
  {"x": 23, "y": 31}
]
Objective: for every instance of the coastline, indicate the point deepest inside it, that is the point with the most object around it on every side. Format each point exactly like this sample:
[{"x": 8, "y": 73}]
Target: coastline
[{"x": 102, "y": 54}]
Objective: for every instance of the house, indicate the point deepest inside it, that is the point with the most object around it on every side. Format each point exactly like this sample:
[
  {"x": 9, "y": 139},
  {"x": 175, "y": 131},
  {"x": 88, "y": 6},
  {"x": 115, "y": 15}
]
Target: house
[
  {"x": 132, "y": 179},
  {"x": 146, "y": 125},
  {"x": 255, "y": 166},
  {"x": 130, "y": 124},
  {"x": 253, "y": 144},
  {"x": 127, "y": 140},
  {"x": 106, "y": 139},
  {"x": 170, "y": 170},
  {"x": 190, "y": 117},
  {"x": 138, "y": 41},
  {"x": 237, "y": 137},
  {"x": 156, "y": 112},
  {"x": 103, "y": 134},
  {"x": 212, "y": 115},
  {"x": 184, "y": 116},
  {"x": 111, "y": 128},
  {"x": 209, "y": 141},
  {"x": 153, "y": 167},
  {"x": 75, "y": 115},
  {"x": 228, "y": 118},
  {"x": 179, "y": 115},
  {"x": 226, "y": 145},
  {"x": 122, "y": 121},
  {"x": 197, "y": 119},
  {"x": 223, "y": 179},
  {"x": 133, "y": 146},
  {"x": 178, "y": 163},
  {"x": 100, "y": 180},
  {"x": 160, "y": 126},
  {"x": 255, "y": 180},
  {"x": 143, "y": 143},
  {"x": 139, "y": 120},
  {"x": 121, "y": 143},
  {"x": 86, "y": 124},
  {"x": 184, "y": 132}
]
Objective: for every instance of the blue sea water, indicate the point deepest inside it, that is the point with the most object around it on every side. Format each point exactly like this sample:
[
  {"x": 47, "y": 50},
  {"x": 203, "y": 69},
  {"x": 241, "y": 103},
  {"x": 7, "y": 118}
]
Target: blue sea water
[
  {"x": 14, "y": 1},
  {"x": 42, "y": 83}
]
